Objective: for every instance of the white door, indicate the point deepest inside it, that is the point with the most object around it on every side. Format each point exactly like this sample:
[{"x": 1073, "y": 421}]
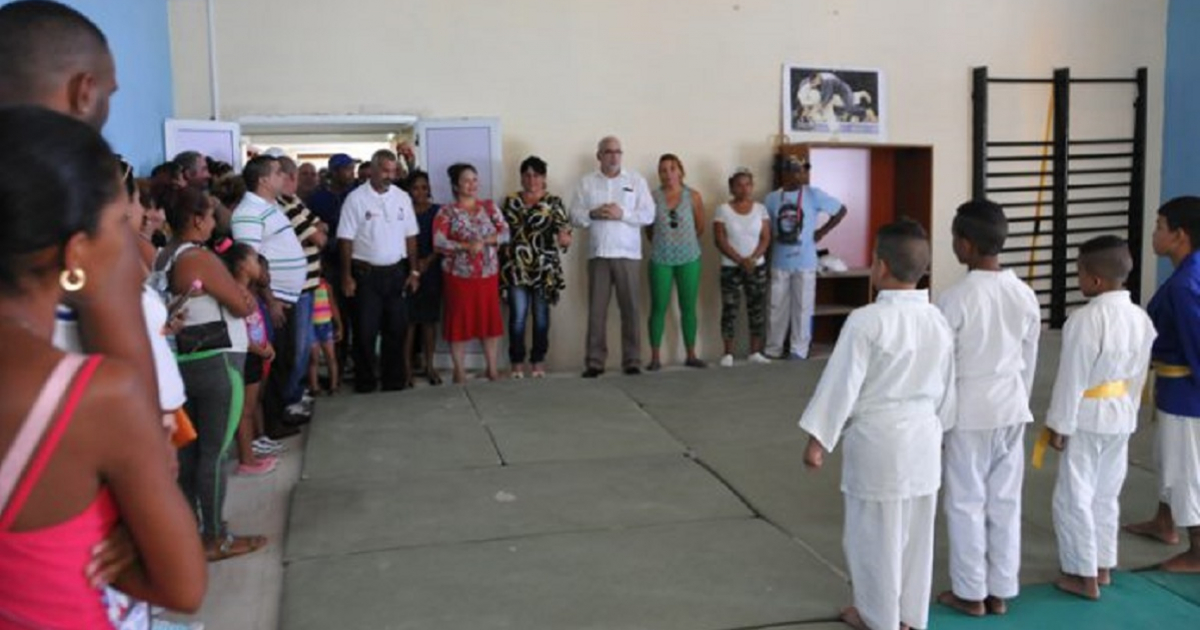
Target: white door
[
  {"x": 476, "y": 141},
  {"x": 219, "y": 140},
  {"x": 441, "y": 143}
]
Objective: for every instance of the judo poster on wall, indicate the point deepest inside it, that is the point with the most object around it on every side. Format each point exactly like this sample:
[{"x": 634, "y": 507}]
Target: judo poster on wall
[{"x": 822, "y": 103}]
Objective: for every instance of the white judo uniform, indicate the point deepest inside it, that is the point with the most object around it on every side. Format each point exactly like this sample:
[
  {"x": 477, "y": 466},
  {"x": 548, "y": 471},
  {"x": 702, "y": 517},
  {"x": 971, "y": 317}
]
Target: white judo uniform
[
  {"x": 888, "y": 389},
  {"x": 996, "y": 319},
  {"x": 1097, "y": 393}
]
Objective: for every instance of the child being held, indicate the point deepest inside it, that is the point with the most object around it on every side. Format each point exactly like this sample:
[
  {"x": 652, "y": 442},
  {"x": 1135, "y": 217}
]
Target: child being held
[
  {"x": 889, "y": 390},
  {"x": 1093, "y": 410}
]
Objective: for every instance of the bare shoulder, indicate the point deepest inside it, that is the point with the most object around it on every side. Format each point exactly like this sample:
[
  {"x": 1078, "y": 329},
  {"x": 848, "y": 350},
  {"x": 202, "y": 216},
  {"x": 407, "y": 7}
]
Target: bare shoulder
[{"x": 116, "y": 395}]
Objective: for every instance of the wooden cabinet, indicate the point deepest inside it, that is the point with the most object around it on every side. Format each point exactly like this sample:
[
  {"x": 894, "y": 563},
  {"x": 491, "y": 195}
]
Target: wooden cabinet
[{"x": 878, "y": 183}]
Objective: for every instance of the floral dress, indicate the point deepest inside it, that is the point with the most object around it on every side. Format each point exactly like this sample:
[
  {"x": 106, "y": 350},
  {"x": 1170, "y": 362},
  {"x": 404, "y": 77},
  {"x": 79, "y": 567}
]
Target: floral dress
[
  {"x": 531, "y": 257},
  {"x": 454, "y": 225}
]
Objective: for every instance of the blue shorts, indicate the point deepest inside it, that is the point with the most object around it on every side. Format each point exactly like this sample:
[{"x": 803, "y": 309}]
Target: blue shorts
[{"x": 323, "y": 333}]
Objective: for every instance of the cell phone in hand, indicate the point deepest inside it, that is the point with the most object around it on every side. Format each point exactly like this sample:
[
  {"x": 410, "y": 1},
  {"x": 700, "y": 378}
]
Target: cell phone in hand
[{"x": 178, "y": 302}]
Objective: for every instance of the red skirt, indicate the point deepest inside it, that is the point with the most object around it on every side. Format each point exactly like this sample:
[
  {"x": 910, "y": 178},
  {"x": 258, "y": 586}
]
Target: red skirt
[{"x": 472, "y": 308}]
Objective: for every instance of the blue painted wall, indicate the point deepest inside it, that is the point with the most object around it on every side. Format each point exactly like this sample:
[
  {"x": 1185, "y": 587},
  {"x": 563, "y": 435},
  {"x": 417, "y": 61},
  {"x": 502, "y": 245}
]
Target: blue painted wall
[
  {"x": 139, "y": 37},
  {"x": 1181, "y": 136}
]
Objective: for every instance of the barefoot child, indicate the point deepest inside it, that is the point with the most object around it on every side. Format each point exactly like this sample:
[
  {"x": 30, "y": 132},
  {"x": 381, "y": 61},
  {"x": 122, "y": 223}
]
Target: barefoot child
[
  {"x": 1175, "y": 311},
  {"x": 996, "y": 320},
  {"x": 327, "y": 331},
  {"x": 1093, "y": 410},
  {"x": 889, "y": 388}
]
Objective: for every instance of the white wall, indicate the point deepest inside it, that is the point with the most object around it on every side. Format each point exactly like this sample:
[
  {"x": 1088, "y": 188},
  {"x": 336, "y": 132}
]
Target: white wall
[{"x": 695, "y": 77}]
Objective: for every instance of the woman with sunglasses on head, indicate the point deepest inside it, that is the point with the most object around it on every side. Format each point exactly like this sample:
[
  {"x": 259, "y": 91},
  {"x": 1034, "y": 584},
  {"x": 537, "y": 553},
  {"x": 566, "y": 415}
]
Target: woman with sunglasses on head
[
  {"x": 81, "y": 443},
  {"x": 674, "y": 257}
]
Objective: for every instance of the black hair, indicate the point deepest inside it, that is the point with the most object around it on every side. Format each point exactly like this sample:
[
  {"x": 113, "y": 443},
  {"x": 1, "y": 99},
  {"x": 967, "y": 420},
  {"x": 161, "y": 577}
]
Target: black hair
[
  {"x": 170, "y": 168},
  {"x": 904, "y": 246},
  {"x": 981, "y": 223},
  {"x": 39, "y": 40},
  {"x": 1106, "y": 257},
  {"x": 415, "y": 175},
  {"x": 186, "y": 161},
  {"x": 257, "y": 169},
  {"x": 535, "y": 164},
  {"x": 740, "y": 173},
  {"x": 236, "y": 255},
  {"x": 181, "y": 205},
  {"x": 229, "y": 190},
  {"x": 56, "y": 176},
  {"x": 1183, "y": 213},
  {"x": 455, "y": 171}
]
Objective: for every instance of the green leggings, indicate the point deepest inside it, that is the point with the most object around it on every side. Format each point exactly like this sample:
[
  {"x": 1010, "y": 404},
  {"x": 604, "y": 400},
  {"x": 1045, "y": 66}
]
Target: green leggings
[{"x": 687, "y": 279}]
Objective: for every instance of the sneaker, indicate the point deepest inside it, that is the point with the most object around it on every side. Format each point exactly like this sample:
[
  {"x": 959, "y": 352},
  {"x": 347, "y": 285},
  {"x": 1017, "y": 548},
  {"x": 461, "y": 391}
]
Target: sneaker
[
  {"x": 264, "y": 466},
  {"x": 268, "y": 446},
  {"x": 727, "y": 361},
  {"x": 299, "y": 409},
  {"x": 758, "y": 358}
]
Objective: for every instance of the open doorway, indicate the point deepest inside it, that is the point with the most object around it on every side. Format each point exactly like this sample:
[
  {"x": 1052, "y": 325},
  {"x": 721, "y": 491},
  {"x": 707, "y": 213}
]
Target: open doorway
[{"x": 313, "y": 139}]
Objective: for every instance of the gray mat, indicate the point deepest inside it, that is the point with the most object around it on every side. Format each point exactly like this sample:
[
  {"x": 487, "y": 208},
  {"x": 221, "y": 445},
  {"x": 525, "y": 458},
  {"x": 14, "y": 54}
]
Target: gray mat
[
  {"x": 382, "y": 435},
  {"x": 567, "y": 419},
  {"x": 717, "y": 575},
  {"x": 339, "y": 516}
]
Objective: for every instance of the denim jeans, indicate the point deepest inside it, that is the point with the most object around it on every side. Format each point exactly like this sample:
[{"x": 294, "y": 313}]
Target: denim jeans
[
  {"x": 302, "y": 344},
  {"x": 519, "y": 301}
]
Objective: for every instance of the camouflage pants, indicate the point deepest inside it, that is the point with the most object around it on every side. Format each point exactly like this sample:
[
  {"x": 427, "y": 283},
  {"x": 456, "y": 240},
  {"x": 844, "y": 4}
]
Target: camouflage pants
[{"x": 736, "y": 281}]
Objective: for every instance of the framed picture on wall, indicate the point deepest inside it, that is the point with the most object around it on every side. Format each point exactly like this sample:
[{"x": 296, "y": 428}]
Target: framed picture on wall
[{"x": 823, "y": 103}]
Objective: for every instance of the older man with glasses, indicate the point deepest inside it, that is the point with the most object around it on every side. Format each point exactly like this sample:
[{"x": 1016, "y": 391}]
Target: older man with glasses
[
  {"x": 613, "y": 203},
  {"x": 794, "y": 210}
]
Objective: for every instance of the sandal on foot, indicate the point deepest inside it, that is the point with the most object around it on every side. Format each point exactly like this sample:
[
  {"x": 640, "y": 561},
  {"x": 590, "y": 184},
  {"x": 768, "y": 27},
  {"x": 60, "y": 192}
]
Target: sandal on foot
[{"x": 231, "y": 546}]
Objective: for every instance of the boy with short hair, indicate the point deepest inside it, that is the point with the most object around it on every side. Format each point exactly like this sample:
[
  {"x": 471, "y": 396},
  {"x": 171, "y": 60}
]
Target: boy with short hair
[
  {"x": 889, "y": 388},
  {"x": 1175, "y": 311},
  {"x": 1093, "y": 410},
  {"x": 996, "y": 319}
]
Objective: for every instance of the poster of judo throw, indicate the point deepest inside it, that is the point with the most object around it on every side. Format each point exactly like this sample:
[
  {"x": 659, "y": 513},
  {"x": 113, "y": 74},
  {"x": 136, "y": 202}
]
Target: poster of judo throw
[{"x": 825, "y": 103}]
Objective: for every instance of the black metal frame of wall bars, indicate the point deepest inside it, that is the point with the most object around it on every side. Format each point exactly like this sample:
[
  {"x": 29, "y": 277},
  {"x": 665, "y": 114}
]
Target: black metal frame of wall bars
[{"x": 1061, "y": 158}]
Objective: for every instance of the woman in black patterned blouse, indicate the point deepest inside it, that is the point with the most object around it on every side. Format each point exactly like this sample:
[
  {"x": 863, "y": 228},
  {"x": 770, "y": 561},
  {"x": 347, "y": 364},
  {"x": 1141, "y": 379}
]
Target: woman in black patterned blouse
[{"x": 531, "y": 270}]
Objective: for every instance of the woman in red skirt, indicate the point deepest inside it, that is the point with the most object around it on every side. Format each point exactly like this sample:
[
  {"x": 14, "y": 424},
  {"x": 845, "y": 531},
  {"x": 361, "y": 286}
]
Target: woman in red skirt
[{"x": 468, "y": 233}]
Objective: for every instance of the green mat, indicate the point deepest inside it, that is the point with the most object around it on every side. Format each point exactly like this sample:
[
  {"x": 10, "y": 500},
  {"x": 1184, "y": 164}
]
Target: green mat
[
  {"x": 1184, "y": 585},
  {"x": 1135, "y": 600}
]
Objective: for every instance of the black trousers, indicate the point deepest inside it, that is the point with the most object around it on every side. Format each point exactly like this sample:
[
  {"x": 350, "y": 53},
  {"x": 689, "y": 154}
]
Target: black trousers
[{"x": 380, "y": 310}]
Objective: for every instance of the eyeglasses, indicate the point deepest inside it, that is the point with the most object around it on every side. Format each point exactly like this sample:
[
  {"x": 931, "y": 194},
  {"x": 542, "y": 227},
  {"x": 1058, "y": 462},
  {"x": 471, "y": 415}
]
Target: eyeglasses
[
  {"x": 611, "y": 152},
  {"x": 673, "y": 219}
]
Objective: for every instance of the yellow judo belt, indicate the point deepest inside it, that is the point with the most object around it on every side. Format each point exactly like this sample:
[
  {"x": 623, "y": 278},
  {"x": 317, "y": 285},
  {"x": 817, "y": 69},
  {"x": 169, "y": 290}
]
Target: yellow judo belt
[
  {"x": 1162, "y": 370},
  {"x": 1111, "y": 389}
]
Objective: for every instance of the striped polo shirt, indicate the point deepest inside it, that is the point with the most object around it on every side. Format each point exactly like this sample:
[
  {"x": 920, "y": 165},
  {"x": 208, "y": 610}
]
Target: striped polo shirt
[
  {"x": 260, "y": 224},
  {"x": 304, "y": 224}
]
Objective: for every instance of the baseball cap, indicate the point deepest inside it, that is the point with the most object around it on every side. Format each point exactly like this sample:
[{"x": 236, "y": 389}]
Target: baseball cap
[
  {"x": 794, "y": 165},
  {"x": 340, "y": 160}
]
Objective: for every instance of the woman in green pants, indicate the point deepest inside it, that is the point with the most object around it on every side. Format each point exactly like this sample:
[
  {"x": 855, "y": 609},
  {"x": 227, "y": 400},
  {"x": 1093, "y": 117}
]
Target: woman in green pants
[{"x": 674, "y": 257}]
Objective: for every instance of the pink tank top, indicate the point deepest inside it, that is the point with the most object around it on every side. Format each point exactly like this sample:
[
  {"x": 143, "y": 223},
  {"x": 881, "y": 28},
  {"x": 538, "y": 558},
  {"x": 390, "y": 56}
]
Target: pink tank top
[{"x": 42, "y": 581}]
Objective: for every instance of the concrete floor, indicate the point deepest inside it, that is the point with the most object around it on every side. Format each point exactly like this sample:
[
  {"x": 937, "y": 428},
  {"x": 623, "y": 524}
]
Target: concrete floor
[{"x": 670, "y": 500}]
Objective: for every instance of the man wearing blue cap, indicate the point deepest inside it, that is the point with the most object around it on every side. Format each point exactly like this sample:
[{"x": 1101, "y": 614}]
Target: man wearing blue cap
[{"x": 326, "y": 203}]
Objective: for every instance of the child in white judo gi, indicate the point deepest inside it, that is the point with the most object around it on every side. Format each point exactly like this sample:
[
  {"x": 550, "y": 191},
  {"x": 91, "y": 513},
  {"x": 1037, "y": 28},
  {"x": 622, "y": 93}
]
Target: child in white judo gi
[
  {"x": 888, "y": 389},
  {"x": 1093, "y": 410},
  {"x": 1175, "y": 311},
  {"x": 996, "y": 320}
]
